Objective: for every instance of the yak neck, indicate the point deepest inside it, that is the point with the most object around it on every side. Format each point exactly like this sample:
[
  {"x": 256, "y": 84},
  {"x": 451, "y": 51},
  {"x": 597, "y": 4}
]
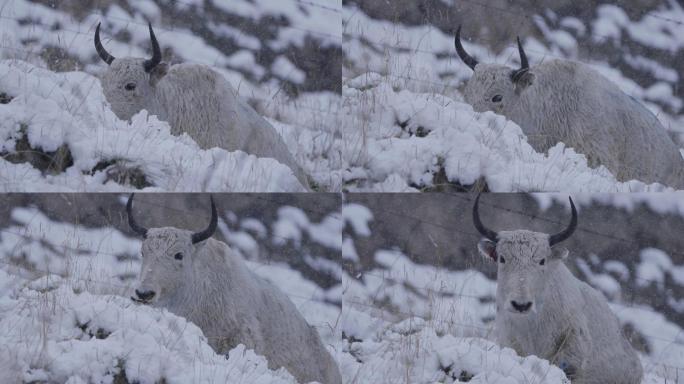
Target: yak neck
[
  {"x": 553, "y": 87},
  {"x": 178, "y": 95},
  {"x": 209, "y": 284}
]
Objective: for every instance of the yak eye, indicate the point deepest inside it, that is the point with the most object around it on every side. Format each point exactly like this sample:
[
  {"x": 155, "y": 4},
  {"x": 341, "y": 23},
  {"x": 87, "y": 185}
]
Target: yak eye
[
  {"x": 497, "y": 98},
  {"x": 178, "y": 256},
  {"x": 501, "y": 260},
  {"x": 542, "y": 262},
  {"x": 130, "y": 86}
]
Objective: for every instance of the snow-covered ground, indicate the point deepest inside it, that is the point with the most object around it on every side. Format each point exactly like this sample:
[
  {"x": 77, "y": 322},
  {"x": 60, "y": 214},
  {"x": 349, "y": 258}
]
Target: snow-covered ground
[
  {"x": 66, "y": 315},
  {"x": 409, "y": 322},
  {"x": 53, "y": 109},
  {"x": 399, "y": 124},
  {"x": 409, "y": 129},
  {"x": 56, "y": 110}
]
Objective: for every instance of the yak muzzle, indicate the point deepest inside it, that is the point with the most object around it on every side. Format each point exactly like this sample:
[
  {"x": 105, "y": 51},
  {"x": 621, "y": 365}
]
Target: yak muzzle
[
  {"x": 521, "y": 307},
  {"x": 143, "y": 296}
]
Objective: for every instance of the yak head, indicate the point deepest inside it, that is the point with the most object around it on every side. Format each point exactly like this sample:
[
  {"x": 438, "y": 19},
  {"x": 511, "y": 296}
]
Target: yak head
[
  {"x": 527, "y": 262},
  {"x": 128, "y": 83},
  {"x": 167, "y": 257},
  {"x": 494, "y": 87}
]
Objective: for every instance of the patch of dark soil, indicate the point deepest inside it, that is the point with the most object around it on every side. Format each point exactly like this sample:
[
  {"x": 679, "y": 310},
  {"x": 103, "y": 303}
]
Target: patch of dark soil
[
  {"x": 48, "y": 162},
  {"x": 442, "y": 184},
  {"x": 117, "y": 171},
  {"x": 635, "y": 338},
  {"x": 99, "y": 333}
]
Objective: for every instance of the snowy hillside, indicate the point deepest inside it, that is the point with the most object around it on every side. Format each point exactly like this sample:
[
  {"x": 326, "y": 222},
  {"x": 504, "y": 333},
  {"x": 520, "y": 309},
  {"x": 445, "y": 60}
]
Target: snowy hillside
[
  {"x": 68, "y": 111},
  {"x": 66, "y": 315},
  {"x": 58, "y": 134},
  {"x": 402, "y": 84},
  {"x": 405, "y": 320}
]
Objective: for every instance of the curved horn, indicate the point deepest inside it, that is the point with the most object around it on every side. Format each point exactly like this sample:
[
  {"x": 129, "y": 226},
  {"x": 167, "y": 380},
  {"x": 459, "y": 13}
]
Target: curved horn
[
  {"x": 142, "y": 231},
  {"x": 104, "y": 55},
  {"x": 467, "y": 59},
  {"x": 524, "y": 65},
  {"x": 523, "y": 57},
  {"x": 156, "y": 52},
  {"x": 486, "y": 232},
  {"x": 203, "y": 235},
  {"x": 567, "y": 232}
]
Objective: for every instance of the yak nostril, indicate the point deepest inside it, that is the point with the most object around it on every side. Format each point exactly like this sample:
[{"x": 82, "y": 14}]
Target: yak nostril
[
  {"x": 521, "y": 307},
  {"x": 145, "y": 295}
]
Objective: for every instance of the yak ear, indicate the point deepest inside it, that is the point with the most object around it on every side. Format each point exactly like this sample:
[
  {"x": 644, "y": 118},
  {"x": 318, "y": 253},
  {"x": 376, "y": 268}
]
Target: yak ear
[
  {"x": 522, "y": 80},
  {"x": 559, "y": 253},
  {"x": 487, "y": 249},
  {"x": 158, "y": 72}
]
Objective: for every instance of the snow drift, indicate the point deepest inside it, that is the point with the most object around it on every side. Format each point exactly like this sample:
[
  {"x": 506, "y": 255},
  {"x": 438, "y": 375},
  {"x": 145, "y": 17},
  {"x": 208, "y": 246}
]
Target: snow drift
[{"x": 54, "y": 109}]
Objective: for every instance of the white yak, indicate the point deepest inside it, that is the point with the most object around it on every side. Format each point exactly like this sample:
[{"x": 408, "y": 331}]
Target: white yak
[
  {"x": 203, "y": 280},
  {"x": 567, "y": 101},
  {"x": 543, "y": 310},
  {"x": 193, "y": 99}
]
